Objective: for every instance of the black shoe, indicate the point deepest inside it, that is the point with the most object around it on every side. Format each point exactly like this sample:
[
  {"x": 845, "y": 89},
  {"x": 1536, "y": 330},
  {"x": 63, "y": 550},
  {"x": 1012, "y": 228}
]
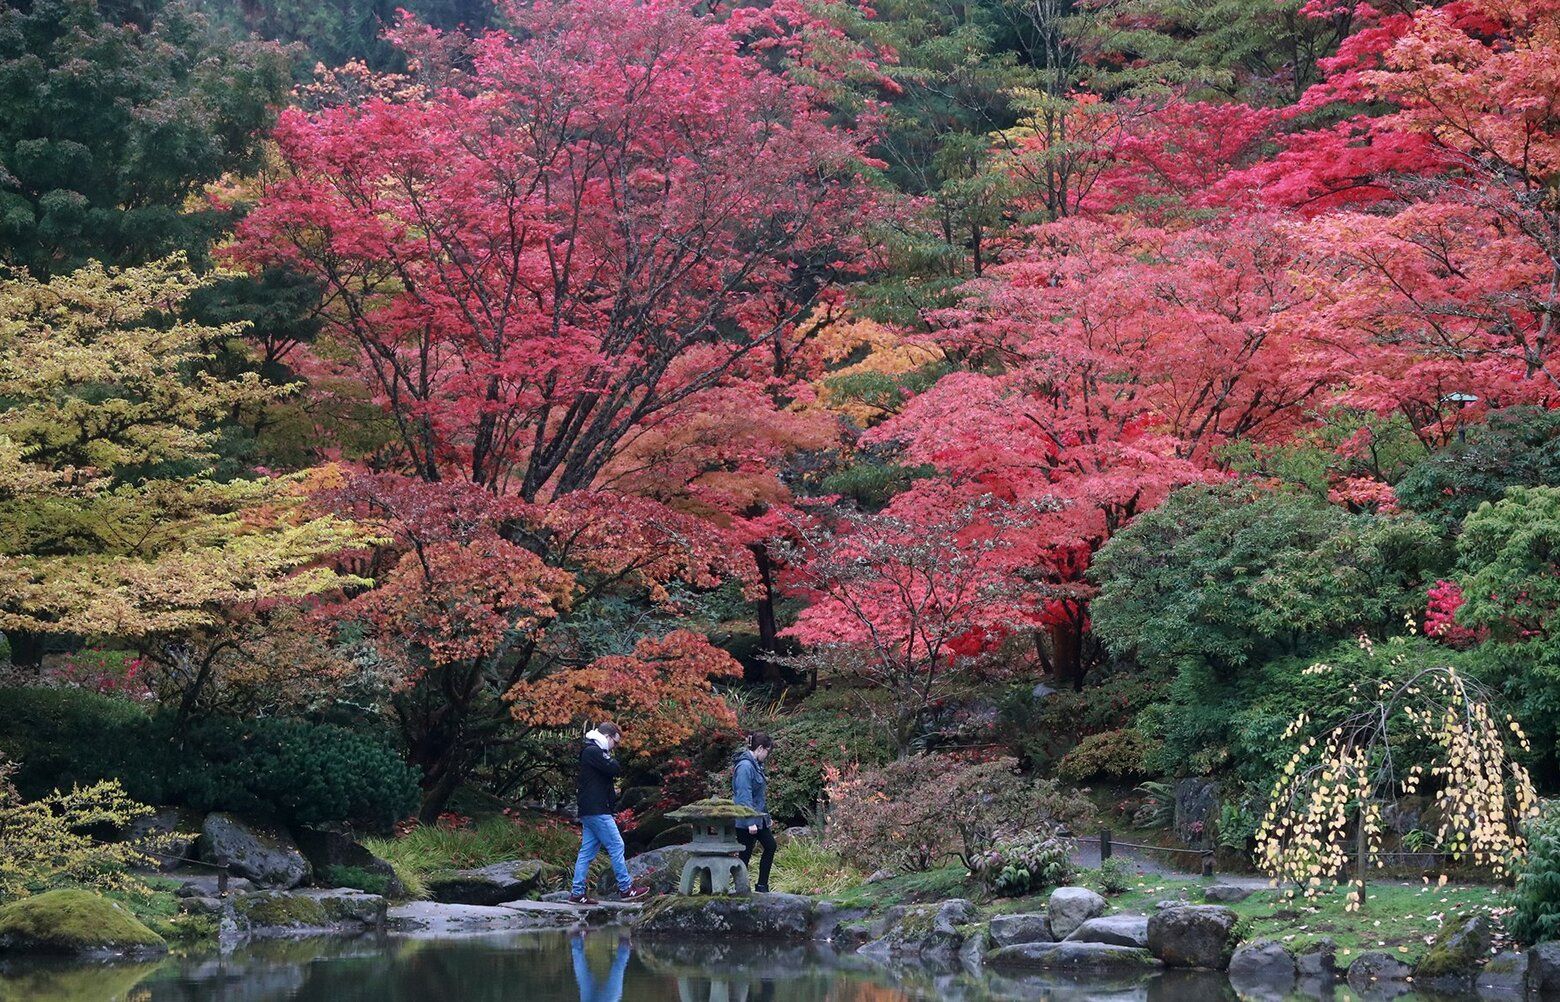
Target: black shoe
[{"x": 761, "y": 889}]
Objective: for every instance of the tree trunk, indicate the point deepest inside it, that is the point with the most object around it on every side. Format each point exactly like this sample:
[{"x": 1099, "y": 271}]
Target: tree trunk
[
  {"x": 764, "y": 670},
  {"x": 26, "y": 648},
  {"x": 1067, "y": 651}
]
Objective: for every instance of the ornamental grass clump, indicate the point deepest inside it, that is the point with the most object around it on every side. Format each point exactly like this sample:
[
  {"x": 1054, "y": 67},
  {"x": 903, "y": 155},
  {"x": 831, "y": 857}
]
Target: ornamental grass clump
[{"x": 1427, "y": 731}]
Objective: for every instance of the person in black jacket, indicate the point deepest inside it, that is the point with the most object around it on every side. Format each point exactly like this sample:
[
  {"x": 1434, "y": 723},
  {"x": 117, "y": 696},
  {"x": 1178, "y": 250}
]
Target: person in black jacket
[{"x": 597, "y": 803}]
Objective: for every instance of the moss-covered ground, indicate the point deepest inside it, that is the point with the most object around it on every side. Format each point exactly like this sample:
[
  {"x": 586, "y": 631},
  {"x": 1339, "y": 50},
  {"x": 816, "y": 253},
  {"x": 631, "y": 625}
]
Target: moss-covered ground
[{"x": 1400, "y": 918}]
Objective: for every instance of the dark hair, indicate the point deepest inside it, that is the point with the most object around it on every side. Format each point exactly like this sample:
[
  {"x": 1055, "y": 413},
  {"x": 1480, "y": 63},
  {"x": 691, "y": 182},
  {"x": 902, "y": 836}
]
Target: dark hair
[
  {"x": 609, "y": 729},
  {"x": 758, "y": 739}
]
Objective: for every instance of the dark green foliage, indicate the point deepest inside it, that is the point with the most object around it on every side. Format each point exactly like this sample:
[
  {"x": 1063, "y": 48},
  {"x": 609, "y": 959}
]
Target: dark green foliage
[
  {"x": 298, "y": 772},
  {"x": 1044, "y": 728},
  {"x": 108, "y": 130},
  {"x": 1264, "y": 50},
  {"x": 1509, "y": 556},
  {"x": 804, "y": 745},
  {"x": 355, "y": 876},
  {"x": 1537, "y": 915},
  {"x": 1115, "y": 755},
  {"x": 1221, "y": 577},
  {"x": 336, "y": 31},
  {"x": 1516, "y": 447},
  {"x": 872, "y": 482},
  {"x": 1211, "y": 722}
]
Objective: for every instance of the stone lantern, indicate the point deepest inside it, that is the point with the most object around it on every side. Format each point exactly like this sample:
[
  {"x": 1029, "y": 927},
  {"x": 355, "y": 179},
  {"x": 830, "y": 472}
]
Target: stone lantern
[{"x": 713, "y": 865}]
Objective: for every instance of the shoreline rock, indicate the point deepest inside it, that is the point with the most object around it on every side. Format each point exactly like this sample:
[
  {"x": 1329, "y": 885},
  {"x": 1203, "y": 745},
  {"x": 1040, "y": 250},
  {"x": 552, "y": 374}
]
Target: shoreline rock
[
  {"x": 266, "y": 854},
  {"x": 1193, "y": 936},
  {"x": 75, "y": 923}
]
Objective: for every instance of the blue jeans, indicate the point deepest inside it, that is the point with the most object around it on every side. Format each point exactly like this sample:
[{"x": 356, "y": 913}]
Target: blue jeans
[
  {"x": 612, "y": 989},
  {"x": 598, "y": 832}
]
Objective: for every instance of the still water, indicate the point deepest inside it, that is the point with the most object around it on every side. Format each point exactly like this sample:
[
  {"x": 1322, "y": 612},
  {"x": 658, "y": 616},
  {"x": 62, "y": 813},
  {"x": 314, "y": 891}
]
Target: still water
[{"x": 599, "y": 967}]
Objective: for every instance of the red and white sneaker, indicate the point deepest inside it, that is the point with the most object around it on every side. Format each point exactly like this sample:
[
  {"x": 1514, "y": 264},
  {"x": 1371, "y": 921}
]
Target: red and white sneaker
[
  {"x": 582, "y": 899},
  {"x": 634, "y": 894}
]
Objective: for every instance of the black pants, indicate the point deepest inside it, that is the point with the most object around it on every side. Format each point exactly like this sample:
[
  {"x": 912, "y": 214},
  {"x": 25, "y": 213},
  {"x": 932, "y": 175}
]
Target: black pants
[{"x": 766, "y": 840}]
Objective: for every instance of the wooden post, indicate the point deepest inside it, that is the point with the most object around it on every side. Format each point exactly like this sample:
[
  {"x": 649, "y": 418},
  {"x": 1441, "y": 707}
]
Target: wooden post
[
  {"x": 222, "y": 879},
  {"x": 1207, "y": 862},
  {"x": 1105, "y": 847}
]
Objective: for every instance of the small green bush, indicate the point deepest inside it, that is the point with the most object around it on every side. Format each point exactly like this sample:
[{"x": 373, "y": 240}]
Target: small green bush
[
  {"x": 1114, "y": 876},
  {"x": 1537, "y": 899},
  {"x": 294, "y": 771},
  {"x": 1117, "y": 755},
  {"x": 1026, "y": 862}
]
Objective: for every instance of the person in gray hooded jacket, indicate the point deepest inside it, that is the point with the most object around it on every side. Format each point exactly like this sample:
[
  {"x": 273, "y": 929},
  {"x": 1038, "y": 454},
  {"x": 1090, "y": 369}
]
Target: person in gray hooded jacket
[{"x": 747, "y": 789}]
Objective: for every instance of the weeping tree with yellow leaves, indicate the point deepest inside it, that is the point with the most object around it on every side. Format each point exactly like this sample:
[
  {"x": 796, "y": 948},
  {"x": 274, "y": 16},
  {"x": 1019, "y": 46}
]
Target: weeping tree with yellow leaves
[
  {"x": 113, "y": 524},
  {"x": 1404, "y": 729}
]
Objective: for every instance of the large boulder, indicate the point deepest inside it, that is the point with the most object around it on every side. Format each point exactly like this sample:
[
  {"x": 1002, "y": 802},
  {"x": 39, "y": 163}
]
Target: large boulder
[
  {"x": 1071, "y": 907},
  {"x": 1226, "y": 894},
  {"x": 932, "y": 931},
  {"x": 1375, "y": 972},
  {"x": 1193, "y": 936},
  {"x": 762, "y": 916},
  {"x": 1080, "y": 957},
  {"x": 659, "y": 869},
  {"x": 1196, "y": 806},
  {"x": 75, "y": 923},
  {"x": 266, "y": 854},
  {"x": 168, "y": 835},
  {"x": 1505, "y": 975},
  {"x": 1263, "y": 969},
  {"x": 307, "y": 912},
  {"x": 1113, "y": 930},
  {"x": 512, "y": 880},
  {"x": 1027, "y": 927},
  {"x": 1458, "y": 952},
  {"x": 1544, "y": 968},
  {"x": 335, "y": 856},
  {"x": 1319, "y": 960}
]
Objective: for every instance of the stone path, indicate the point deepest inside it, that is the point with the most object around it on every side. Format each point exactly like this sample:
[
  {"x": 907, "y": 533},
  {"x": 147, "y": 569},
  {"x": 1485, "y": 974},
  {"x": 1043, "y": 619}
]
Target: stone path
[
  {"x": 1086, "y": 854},
  {"x": 434, "y": 918}
]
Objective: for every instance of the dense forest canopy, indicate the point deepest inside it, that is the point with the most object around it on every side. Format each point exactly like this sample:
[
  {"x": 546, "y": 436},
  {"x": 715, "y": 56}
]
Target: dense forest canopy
[{"x": 460, "y": 374}]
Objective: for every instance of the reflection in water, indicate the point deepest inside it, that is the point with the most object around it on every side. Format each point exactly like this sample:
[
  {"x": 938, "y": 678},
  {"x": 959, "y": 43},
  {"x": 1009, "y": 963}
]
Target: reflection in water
[
  {"x": 610, "y": 990},
  {"x": 600, "y": 967}
]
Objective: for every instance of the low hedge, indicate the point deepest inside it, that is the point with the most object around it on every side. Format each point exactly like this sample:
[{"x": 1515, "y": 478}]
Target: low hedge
[{"x": 293, "y": 771}]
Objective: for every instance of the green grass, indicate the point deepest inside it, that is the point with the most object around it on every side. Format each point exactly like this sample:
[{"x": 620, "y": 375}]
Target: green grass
[
  {"x": 1398, "y": 918},
  {"x": 804, "y": 866},
  {"x": 429, "y": 848},
  {"x": 910, "y": 888}
]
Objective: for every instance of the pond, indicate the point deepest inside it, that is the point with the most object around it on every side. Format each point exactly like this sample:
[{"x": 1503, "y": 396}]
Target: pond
[{"x": 599, "y": 967}]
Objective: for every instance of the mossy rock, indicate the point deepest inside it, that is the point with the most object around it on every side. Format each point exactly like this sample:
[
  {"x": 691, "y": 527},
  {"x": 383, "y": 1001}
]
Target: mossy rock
[
  {"x": 280, "y": 911},
  {"x": 76, "y": 923},
  {"x": 1461, "y": 948},
  {"x": 765, "y": 916},
  {"x": 272, "y": 912},
  {"x": 712, "y": 807}
]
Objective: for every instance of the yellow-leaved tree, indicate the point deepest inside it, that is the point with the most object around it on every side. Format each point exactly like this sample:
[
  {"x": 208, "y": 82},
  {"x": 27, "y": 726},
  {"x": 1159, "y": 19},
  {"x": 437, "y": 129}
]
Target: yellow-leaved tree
[
  {"x": 47, "y": 840},
  {"x": 1401, "y": 729},
  {"x": 113, "y": 525}
]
